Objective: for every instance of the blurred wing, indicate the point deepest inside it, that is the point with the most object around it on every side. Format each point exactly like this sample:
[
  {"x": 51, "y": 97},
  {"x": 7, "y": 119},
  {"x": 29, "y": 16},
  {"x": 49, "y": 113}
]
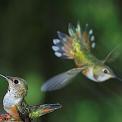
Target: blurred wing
[
  {"x": 112, "y": 56},
  {"x": 61, "y": 80}
]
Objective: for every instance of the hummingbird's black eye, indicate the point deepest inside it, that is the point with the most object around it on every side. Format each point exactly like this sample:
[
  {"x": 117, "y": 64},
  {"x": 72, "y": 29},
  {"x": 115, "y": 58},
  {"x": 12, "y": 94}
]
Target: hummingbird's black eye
[
  {"x": 105, "y": 71},
  {"x": 16, "y": 81}
]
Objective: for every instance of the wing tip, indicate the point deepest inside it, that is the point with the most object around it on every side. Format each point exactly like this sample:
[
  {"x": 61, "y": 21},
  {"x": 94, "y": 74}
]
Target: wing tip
[
  {"x": 46, "y": 88},
  {"x": 43, "y": 88},
  {"x": 51, "y": 107},
  {"x": 56, "y": 106}
]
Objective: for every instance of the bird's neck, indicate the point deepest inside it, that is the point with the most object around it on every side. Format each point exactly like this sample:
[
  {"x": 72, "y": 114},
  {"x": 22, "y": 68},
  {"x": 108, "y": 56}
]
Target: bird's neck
[{"x": 90, "y": 74}]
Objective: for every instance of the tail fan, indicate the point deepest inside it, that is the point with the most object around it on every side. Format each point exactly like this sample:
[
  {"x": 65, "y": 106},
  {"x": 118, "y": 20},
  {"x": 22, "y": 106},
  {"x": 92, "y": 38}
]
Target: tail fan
[
  {"x": 62, "y": 47},
  {"x": 88, "y": 38},
  {"x": 61, "y": 80},
  {"x": 40, "y": 110},
  {"x": 67, "y": 45}
]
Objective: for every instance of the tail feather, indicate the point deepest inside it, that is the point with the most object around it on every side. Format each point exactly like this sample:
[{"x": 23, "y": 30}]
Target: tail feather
[
  {"x": 89, "y": 38},
  {"x": 67, "y": 46},
  {"x": 62, "y": 47},
  {"x": 71, "y": 30},
  {"x": 40, "y": 110}
]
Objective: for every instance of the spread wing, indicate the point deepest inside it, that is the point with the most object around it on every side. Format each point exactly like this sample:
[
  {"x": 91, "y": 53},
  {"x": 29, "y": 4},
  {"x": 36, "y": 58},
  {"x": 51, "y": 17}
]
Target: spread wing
[{"x": 112, "y": 55}]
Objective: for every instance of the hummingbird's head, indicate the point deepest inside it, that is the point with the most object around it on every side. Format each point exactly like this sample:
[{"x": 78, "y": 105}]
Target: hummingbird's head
[
  {"x": 17, "y": 86},
  {"x": 102, "y": 73}
]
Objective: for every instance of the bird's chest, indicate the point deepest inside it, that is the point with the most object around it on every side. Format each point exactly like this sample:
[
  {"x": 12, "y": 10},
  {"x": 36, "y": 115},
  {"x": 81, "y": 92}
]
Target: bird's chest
[
  {"x": 10, "y": 103},
  {"x": 10, "y": 100}
]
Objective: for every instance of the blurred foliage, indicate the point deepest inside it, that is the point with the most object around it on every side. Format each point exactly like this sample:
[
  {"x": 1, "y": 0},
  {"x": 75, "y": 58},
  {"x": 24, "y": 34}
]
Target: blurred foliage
[
  {"x": 27, "y": 28},
  {"x": 34, "y": 88}
]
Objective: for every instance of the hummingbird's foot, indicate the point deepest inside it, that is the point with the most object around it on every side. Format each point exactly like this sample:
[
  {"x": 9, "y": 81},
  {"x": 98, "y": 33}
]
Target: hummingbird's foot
[{"x": 4, "y": 117}]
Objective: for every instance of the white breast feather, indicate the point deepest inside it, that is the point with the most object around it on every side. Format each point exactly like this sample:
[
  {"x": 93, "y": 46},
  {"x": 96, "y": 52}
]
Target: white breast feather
[
  {"x": 10, "y": 100},
  {"x": 90, "y": 74}
]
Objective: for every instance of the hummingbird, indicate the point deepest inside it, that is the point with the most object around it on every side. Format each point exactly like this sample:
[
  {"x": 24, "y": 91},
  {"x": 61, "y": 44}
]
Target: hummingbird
[
  {"x": 77, "y": 45},
  {"x": 15, "y": 105}
]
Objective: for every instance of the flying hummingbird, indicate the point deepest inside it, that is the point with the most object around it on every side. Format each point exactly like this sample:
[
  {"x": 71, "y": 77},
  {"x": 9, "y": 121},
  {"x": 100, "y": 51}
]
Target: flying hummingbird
[
  {"x": 77, "y": 46},
  {"x": 15, "y": 105}
]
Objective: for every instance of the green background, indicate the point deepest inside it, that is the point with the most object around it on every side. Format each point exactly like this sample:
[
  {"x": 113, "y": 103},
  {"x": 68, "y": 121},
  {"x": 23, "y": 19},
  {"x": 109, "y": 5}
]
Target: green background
[{"x": 27, "y": 28}]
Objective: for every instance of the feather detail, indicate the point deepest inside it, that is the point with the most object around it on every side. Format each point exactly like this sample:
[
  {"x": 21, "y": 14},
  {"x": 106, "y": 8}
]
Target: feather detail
[
  {"x": 65, "y": 46},
  {"x": 62, "y": 47},
  {"x": 88, "y": 38},
  {"x": 39, "y": 110}
]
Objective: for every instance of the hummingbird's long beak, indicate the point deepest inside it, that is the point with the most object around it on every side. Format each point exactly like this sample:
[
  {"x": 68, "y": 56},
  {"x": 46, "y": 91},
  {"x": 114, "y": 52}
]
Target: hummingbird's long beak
[
  {"x": 4, "y": 77},
  {"x": 118, "y": 78}
]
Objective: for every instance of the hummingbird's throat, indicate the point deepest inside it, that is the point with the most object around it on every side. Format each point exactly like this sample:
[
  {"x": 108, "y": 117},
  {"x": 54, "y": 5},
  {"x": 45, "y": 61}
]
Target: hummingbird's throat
[{"x": 89, "y": 73}]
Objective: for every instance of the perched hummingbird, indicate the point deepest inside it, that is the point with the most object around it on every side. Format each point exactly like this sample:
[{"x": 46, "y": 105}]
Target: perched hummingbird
[
  {"x": 15, "y": 105},
  {"x": 77, "y": 46}
]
